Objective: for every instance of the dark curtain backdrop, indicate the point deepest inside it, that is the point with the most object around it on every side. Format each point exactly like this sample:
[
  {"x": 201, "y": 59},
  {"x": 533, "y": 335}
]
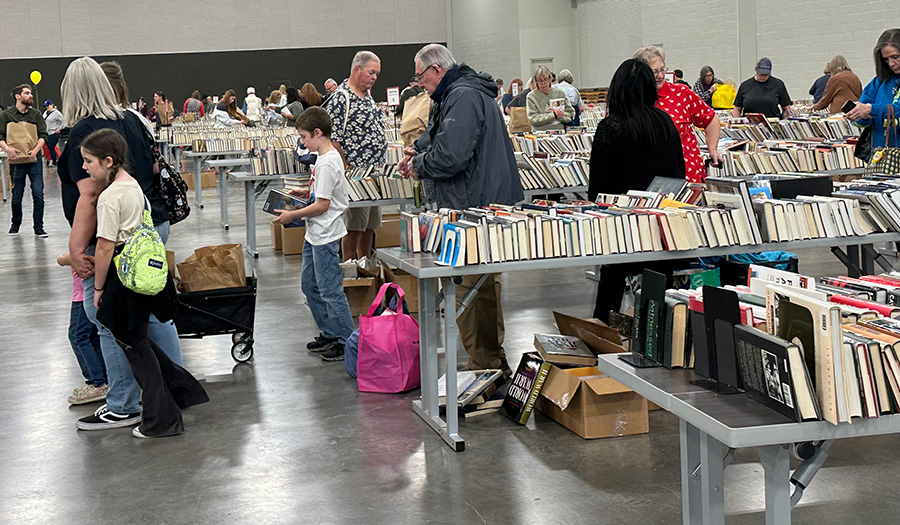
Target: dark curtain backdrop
[{"x": 177, "y": 75}]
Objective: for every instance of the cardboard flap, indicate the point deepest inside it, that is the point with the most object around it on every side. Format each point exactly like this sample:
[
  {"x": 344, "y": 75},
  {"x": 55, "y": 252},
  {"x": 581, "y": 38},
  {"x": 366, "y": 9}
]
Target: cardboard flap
[
  {"x": 361, "y": 281},
  {"x": 599, "y": 337},
  {"x": 603, "y": 385},
  {"x": 560, "y": 387}
]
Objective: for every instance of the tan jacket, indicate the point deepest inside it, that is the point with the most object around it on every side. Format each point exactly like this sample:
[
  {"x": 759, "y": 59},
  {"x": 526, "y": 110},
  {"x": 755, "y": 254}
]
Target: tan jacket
[
  {"x": 840, "y": 88},
  {"x": 165, "y": 113}
]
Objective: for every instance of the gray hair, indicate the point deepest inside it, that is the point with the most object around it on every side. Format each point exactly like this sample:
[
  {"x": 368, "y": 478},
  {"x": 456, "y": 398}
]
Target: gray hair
[
  {"x": 645, "y": 54},
  {"x": 436, "y": 55},
  {"x": 86, "y": 92},
  {"x": 565, "y": 76},
  {"x": 706, "y": 69},
  {"x": 362, "y": 58},
  {"x": 541, "y": 71}
]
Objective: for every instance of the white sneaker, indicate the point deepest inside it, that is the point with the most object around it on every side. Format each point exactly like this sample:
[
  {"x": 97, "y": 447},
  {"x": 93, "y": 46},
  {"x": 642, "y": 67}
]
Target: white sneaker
[{"x": 88, "y": 394}]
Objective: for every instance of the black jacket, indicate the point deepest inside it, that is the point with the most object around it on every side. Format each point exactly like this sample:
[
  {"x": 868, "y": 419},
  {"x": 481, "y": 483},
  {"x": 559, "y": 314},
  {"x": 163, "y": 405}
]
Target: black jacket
[{"x": 470, "y": 157}]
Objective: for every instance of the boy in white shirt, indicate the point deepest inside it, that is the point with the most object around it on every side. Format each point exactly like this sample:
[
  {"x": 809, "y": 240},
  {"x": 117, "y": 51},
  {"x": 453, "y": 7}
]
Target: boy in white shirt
[{"x": 320, "y": 279}]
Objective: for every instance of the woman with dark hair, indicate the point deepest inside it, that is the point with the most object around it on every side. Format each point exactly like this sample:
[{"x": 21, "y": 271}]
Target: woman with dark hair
[
  {"x": 641, "y": 141},
  {"x": 707, "y": 84},
  {"x": 882, "y": 91},
  {"x": 294, "y": 105}
]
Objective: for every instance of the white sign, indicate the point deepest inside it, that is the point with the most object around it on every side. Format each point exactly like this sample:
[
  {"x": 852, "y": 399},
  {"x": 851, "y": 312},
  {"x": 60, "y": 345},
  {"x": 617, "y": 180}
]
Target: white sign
[
  {"x": 515, "y": 89},
  {"x": 215, "y": 100},
  {"x": 393, "y": 96},
  {"x": 670, "y": 76}
]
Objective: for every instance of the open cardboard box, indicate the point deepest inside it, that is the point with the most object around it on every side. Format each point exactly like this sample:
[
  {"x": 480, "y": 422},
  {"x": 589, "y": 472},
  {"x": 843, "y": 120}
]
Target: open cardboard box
[
  {"x": 592, "y": 404},
  {"x": 276, "y": 235},
  {"x": 600, "y": 338},
  {"x": 361, "y": 292}
]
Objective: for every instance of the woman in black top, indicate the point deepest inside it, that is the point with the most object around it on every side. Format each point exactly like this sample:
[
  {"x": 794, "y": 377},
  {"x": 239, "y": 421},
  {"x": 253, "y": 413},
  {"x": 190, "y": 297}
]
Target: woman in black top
[{"x": 633, "y": 144}]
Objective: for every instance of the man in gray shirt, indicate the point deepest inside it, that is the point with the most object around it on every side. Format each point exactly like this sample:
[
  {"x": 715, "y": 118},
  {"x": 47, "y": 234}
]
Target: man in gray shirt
[{"x": 55, "y": 122}]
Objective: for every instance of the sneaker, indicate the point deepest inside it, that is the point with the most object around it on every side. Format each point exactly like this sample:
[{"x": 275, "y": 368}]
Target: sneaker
[
  {"x": 104, "y": 418},
  {"x": 320, "y": 343},
  {"x": 335, "y": 352},
  {"x": 136, "y": 432},
  {"x": 88, "y": 394},
  {"x": 13, "y": 230},
  {"x": 41, "y": 233}
]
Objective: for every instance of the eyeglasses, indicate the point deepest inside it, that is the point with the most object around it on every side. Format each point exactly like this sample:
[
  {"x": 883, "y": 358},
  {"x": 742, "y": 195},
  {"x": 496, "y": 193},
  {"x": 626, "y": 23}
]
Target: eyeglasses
[
  {"x": 660, "y": 71},
  {"x": 418, "y": 76},
  {"x": 542, "y": 81}
]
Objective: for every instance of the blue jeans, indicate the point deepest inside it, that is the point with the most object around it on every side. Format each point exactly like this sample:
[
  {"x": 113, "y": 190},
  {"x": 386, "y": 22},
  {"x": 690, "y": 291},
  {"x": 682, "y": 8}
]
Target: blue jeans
[
  {"x": 35, "y": 172},
  {"x": 124, "y": 393},
  {"x": 321, "y": 283},
  {"x": 85, "y": 343}
]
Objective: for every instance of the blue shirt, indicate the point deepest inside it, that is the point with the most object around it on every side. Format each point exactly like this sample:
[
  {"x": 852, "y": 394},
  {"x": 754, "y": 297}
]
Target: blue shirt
[{"x": 880, "y": 93}]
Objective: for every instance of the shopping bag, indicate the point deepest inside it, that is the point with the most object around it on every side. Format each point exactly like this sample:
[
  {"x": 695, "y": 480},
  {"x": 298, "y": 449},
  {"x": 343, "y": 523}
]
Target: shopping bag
[
  {"x": 724, "y": 97},
  {"x": 22, "y": 136},
  {"x": 213, "y": 267},
  {"x": 886, "y": 160},
  {"x": 388, "y": 357},
  {"x": 518, "y": 120},
  {"x": 415, "y": 118}
]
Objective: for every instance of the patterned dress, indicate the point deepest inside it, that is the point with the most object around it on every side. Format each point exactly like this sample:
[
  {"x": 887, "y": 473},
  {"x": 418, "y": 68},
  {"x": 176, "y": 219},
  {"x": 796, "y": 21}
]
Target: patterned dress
[{"x": 687, "y": 110}]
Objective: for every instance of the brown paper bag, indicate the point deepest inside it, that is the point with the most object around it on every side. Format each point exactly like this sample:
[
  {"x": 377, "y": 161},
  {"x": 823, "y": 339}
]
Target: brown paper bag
[
  {"x": 213, "y": 267},
  {"x": 518, "y": 121},
  {"x": 23, "y": 137}
]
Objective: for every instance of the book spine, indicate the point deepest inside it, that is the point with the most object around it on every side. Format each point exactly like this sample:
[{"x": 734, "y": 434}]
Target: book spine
[{"x": 535, "y": 392}]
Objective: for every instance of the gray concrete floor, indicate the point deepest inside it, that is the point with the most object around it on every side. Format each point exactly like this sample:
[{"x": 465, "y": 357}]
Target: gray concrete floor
[{"x": 288, "y": 439}]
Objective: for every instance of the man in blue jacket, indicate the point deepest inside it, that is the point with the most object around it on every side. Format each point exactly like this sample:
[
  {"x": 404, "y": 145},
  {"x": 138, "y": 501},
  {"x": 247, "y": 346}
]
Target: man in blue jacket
[{"x": 467, "y": 155}]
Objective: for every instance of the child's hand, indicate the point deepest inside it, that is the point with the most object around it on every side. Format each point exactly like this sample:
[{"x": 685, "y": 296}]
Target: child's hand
[
  {"x": 64, "y": 260},
  {"x": 299, "y": 193},
  {"x": 97, "y": 295},
  {"x": 286, "y": 216}
]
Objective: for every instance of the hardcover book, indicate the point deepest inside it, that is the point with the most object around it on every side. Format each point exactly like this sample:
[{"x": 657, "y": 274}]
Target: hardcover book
[
  {"x": 525, "y": 388},
  {"x": 564, "y": 350},
  {"x": 279, "y": 200}
]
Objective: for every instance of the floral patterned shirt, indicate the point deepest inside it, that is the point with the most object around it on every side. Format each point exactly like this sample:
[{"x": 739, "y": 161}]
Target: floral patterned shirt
[
  {"x": 359, "y": 128},
  {"x": 687, "y": 110}
]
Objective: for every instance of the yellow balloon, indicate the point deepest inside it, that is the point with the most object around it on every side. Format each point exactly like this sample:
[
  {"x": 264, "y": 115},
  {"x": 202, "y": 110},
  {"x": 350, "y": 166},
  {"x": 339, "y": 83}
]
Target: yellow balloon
[{"x": 36, "y": 77}]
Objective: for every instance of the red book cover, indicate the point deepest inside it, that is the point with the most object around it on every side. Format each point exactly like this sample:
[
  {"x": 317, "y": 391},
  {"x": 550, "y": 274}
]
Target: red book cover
[
  {"x": 878, "y": 279},
  {"x": 884, "y": 309}
]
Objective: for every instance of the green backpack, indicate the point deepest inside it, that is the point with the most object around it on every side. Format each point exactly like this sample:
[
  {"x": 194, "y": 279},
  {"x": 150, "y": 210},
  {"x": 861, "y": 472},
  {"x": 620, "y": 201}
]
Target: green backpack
[{"x": 141, "y": 265}]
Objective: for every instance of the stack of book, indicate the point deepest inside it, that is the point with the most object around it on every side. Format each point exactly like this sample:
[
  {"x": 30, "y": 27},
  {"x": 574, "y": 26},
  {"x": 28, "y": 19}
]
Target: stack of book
[
  {"x": 371, "y": 183},
  {"x": 553, "y": 144},
  {"x": 544, "y": 173},
  {"x": 272, "y": 161}
]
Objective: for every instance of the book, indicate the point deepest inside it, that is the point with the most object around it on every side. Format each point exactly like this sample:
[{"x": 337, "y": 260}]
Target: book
[
  {"x": 564, "y": 350},
  {"x": 769, "y": 377},
  {"x": 526, "y": 385},
  {"x": 558, "y": 103},
  {"x": 279, "y": 200}
]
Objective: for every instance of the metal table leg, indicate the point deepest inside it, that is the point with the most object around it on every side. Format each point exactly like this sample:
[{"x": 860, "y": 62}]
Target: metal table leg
[
  {"x": 198, "y": 191},
  {"x": 222, "y": 183},
  {"x": 712, "y": 479},
  {"x": 450, "y": 334},
  {"x": 250, "y": 203},
  {"x": 775, "y": 460},
  {"x": 691, "y": 502}
]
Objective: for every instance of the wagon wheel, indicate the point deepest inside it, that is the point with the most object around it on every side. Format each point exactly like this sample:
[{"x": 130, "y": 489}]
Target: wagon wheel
[
  {"x": 241, "y": 337},
  {"x": 242, "y": 351}
]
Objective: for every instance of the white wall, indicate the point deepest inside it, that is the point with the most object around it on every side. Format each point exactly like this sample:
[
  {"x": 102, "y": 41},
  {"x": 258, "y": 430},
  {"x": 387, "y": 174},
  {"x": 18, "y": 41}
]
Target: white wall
[
  {"x": 549, "y": 29},
  {"x": 112, "y": 27},
  {"x": 609, "y": 32}
]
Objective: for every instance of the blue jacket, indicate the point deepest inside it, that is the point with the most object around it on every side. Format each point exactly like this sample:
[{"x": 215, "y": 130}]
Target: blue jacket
[
  {"x": 468, "y": 154},
  {"x": 880, "y": 93}
]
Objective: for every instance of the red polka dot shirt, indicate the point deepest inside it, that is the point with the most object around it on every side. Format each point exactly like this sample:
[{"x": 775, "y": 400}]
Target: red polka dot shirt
[{"x": 687, "y": 110}]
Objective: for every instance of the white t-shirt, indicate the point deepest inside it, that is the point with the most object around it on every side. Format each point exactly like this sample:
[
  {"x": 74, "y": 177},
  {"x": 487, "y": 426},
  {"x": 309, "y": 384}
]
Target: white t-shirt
[
  {"x": 327, "y": 182},
  {"x": 119, "y": 210}
]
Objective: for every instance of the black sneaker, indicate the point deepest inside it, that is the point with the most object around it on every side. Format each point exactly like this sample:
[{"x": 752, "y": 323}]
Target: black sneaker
[
  {"x": 335, "y": 352},
  {"x": 41, "y": 233},
  {"x": 320, "y": 343},
  {"x": 104, "y": 418},
  {"x": 13, "y": 230}
]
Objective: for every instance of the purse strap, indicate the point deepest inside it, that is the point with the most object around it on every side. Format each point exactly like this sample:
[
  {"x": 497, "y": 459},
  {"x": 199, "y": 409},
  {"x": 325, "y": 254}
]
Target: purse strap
[
  {"x": 380, "y": 298},
  {"x": 890, "y": 124}
]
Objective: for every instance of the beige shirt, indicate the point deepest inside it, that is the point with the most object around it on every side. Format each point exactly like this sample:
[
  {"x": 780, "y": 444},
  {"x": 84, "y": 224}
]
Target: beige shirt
[
  {"x": 119, "y": 211},
  {"x": 537, "y": 105}
]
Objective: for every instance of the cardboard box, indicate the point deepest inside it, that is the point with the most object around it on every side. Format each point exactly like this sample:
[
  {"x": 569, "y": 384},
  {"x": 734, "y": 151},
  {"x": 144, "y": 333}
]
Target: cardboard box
[
  {"x": 388, "y": 235},
  {"x": 360, "y": 293},
  {"x": 591, "y": 404},
  {"x": 170, "y": 262},
  {"x": 207, "y": 178},
  {"x": 276, "y": 236},
  {"x": 292, "y": 240}
]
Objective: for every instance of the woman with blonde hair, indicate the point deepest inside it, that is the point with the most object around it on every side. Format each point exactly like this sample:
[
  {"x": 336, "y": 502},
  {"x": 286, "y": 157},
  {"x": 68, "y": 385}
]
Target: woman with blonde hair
[
  {"x": 309, "y": 96},
  {"x": 818, "y": 87},
  {"x": 548, "y": 108},
  {"x": 843, "y": 85}
]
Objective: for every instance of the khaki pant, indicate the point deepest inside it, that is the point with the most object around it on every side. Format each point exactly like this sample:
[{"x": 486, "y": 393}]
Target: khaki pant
[{"x": 481, "y": 326}]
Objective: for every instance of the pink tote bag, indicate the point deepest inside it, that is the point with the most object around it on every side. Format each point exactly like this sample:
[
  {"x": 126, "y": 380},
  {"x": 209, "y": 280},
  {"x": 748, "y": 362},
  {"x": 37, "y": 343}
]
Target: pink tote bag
[{"x": 388, "y": 347}]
